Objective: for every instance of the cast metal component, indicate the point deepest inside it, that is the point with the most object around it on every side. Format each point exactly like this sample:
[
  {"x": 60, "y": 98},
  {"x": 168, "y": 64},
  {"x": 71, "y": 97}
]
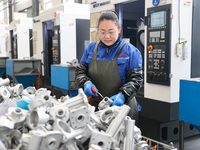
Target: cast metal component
[
  {"x": 37, "y": 118},
  {"x": 79, "y": 117},
  {"x": 63, "y": 99},
  {"x": 2, "y": 146},
  {"x": 114, "y": 127},
  {"x": 107, "y": 115},
  {"x": 73, "y": 63},
  {"x": 96, "y": 121},
  {"x": 141, "y": 145},
  {"x": 16, "y": 115},
  {"x": 29, "y": 92},
  {"x": 66, "y": 123},
  {"x": 17, "y": 90},
  {"x": 105, "y": 103},
  {"x": 62, "y": 110},
  {"x": 5, "y": 142},
  {"x": 129, "y": 130},
  {"x": 138, "y": 134},
  {"x": 4, "y": 82},
  {"x": 42, "y": 97},
  {"x": 95, "y": 147},
  {"x": 5, "y": 124},
  {"x": 5, "y": 92},
  {"x": 77, "y": 101},
  {"x": 71, "y": 145},
  {"x": 44, "y": 140},
  {"x": 101, "y": 139},
  {"x": 67, "y": 131}
]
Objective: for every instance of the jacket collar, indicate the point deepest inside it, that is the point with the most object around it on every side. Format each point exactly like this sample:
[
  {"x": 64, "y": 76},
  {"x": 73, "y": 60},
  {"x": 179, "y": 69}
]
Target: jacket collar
[{"x": 101, "y": 44}]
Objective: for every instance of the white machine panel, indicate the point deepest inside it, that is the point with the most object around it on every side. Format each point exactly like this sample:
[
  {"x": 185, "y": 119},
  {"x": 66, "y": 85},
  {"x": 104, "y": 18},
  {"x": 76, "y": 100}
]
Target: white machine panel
[
  {"x": 3, "y": 36},
  {"x": 21, "y": 28},
  {"x": 62, "y": 16},
  {"x": 23, "y": 41},
  {"x": 179, "y": 67},
  {"x": 68, "y": 38}
]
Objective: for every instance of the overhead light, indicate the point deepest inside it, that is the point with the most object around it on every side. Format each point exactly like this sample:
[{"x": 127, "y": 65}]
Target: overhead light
[{"x": 25, "y": 10}]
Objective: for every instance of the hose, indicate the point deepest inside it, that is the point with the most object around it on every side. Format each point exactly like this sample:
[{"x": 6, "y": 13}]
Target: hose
[{"x": 38, "y": 80}]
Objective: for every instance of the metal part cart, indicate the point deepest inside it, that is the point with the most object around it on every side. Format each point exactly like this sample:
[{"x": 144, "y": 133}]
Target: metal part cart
[
  {"x": 24, "y": 71},
  {"x": 63, "y": 77},
  {"x": 2, "y": 65},
  {"x": 189, "y": 106}
]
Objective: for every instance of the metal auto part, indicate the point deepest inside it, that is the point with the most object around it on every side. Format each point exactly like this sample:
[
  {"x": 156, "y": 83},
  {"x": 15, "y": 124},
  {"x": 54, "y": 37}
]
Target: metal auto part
[
  {"x": 17, "y": 90},
  {"x": 16, "y": 115},
  {"x": 40, "y": 140},
  {"x": 67, "y": 124},
  {"x": 37, "y": 118},
  {"x": 4, "y": 82},
  {"x": 105, "y": 103}
]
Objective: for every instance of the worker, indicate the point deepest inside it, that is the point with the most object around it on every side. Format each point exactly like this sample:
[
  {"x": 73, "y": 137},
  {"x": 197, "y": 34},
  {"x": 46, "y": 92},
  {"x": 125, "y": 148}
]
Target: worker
[{"x": 111, "y": 66}]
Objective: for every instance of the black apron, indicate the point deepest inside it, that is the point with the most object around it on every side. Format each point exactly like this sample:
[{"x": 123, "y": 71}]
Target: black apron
[{"x": 105, "y": 76}]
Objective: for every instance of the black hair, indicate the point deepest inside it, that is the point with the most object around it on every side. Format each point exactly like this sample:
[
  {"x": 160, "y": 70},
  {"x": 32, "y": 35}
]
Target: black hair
[{"x": 109, "y": 15}]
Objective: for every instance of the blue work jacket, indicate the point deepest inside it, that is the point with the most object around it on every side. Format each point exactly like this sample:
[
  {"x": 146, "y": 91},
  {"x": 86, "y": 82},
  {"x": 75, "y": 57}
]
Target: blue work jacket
[{"x": 129, "y": 58}]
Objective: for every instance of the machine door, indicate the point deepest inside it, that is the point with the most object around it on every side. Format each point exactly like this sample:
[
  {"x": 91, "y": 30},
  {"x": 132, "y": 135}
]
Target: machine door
[
  {"x": 158, "y": 45},
  {"x": 13, "y": 39},
  {"x": 56, "y": 45},
  {"x": 47, "y": 53},
  {"x": 31, "y": 42}
]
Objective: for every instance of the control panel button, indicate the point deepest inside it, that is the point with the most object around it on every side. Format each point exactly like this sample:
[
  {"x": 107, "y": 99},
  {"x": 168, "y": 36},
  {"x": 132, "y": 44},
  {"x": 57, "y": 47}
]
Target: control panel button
[
  {"x": 162, "y": 62},
  {"x": 150, "y": 47}
]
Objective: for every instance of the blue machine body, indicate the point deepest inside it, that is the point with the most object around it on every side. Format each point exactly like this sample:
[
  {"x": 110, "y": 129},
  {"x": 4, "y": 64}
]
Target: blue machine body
[
  {"x": 2, "y": 65},
  {"x": 189, "y": 104},
  {"x": 23, "y": 71},
  {"x": 2, "y": 71},
  {"x": 61, "y": 76},
  {"x": 26, "y": 80}
]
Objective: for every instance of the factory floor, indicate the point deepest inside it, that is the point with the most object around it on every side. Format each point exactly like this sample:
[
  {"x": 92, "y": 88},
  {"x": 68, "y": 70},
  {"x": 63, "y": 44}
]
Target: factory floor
[{"x": 190, "y": 143}]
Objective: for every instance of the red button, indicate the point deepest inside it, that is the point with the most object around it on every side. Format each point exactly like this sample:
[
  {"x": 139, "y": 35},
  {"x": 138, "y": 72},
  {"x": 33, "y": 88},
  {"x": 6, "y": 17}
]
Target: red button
[{"x": 150, "y": 47}]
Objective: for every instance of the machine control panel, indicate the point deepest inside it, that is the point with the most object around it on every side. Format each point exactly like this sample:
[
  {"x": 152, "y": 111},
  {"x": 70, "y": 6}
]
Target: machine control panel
[
  {"x": 158, "y": 45},
  {"x": 56, "y": 45}
]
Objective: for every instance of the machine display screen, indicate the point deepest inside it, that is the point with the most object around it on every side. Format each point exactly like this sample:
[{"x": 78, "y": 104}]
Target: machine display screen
[{"x": 158, "y": 19}]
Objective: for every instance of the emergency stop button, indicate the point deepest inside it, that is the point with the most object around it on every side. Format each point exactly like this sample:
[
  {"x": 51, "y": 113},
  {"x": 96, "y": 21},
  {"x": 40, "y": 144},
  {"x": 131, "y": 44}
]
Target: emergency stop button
[{"x": 150, "y": 47}]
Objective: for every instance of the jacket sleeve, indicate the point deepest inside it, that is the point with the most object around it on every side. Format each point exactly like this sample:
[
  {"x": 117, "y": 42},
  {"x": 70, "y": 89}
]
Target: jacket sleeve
[
  {"x": 81, "y": 74},
  {"x": 134, "y": 81}
]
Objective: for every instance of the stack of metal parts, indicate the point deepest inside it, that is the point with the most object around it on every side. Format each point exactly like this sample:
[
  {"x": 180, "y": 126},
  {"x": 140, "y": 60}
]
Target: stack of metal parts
[{"x": 65, "y": 123}]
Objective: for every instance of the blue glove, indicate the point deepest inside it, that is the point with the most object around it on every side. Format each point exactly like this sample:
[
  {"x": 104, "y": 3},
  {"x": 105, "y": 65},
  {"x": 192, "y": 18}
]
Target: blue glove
[
  {"x": 23, "y": 104},
  {"x": 88, "y": 89},
  {"x": 118, "y": 99},
  {"x": 139, "y": 107}
]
